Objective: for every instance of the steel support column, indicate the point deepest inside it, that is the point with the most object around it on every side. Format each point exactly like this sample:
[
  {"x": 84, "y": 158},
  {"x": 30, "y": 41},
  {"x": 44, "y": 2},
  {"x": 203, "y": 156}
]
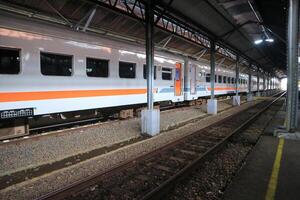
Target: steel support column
[
  {"x": 236, "y": 100},
  {"x": 249, "y": 95},
  {"x": 212, "y": 68},
  {"x": 258, "y": 83},
  {"x": 150, "y": 117},
  {"x": 250, "y": 79},
  {"x": 212, "y": 104},
  {"x": 258, "y": 80},
  {"x": 292, "y": 86},
  {"x": 149, "y": 52},
  {"x": 237, "y": 76}
]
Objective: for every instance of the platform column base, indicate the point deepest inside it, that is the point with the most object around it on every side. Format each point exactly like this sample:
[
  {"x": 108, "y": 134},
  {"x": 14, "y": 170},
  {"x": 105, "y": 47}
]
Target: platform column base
[
  {"x": 249, "y": 97},
  {"x": 236, "y": 100},
  {"x": 212, "y": 106},
  {"x": 282, "y": 133},
  {"x": 150, "y": 121}
]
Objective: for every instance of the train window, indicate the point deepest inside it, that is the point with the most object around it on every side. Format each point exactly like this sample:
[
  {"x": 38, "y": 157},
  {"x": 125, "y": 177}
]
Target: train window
[
  {"x": 145, "y": 71},
  {"x": 96, "y": 67},
  {"x": 215, "y": 78},
  {"x": 126, "y": 70},
  {"x": 232, "y": 80},
  {"x": 224, "y": 79},
  {"x": 228, "y": 80},
  {"x": 166, "y": 73},
  {"x": 207, "y": 78},
  {"x": 219, "y": 79},
  {"x": 56, "y": 65},
  {"x": 9, "y": 61}
]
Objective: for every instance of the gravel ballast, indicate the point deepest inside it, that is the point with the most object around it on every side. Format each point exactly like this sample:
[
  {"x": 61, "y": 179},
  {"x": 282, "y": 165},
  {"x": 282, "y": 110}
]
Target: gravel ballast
[
  {"x": 210, "y": 180},
  {"x": 54, "y": 180},
  {"x": 26, "y": 153},
  {"x": 29, "y": 153}
]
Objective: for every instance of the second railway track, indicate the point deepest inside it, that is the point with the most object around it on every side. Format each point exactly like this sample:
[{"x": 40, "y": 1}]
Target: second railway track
[{"x": 151, "y": 175}]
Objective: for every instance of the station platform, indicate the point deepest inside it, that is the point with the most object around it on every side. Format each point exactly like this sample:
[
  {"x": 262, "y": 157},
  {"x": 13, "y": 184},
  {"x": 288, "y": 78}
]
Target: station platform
[{"x": 271, "y": 171}]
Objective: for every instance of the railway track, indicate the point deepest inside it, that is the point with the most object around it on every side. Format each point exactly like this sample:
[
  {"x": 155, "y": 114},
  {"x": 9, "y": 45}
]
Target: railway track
[
  {"x": 81, "y": 122},
  {"x": 152, "y": 175},
  {"x": 44, "y": 129}
]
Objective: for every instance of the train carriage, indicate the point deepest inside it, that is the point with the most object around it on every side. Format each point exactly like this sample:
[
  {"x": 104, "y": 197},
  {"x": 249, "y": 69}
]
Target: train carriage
[
  {"x": 197, "y": 80},
  {"x": 59, "y": 75},
  {"x": 54, "y": 70}
]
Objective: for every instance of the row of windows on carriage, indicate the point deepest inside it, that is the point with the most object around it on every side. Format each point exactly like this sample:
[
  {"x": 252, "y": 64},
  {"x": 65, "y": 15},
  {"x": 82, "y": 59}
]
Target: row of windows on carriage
[
  {"x": 226, "y": 79},
  {"x": 61, "y": 65}
]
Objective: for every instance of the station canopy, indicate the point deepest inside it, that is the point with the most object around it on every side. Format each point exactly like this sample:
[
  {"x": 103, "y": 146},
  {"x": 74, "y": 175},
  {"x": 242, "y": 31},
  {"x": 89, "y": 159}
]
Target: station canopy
[{"x": 184, "y": 27}]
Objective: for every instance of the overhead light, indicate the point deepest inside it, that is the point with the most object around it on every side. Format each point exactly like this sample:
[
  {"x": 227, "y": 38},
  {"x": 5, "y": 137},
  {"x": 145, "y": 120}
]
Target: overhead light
[
  {"x": 269, "y": 40},
  {"x": 258, "y": 41}
]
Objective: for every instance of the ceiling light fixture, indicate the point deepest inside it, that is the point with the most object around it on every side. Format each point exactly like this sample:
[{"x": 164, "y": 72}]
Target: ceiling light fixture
[
  {"x": 265, "y": 37},
  {"x": 269, "y": 40},
  {"x": 258, "y": 41}
]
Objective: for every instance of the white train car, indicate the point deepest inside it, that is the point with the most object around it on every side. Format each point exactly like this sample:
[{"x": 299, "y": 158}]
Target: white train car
[
  {"x": 48, "y": 69},
  {"x": 53, "y": 75},
  {"x": 197, "y": 80},
  {"x": 54, "y": 70}
]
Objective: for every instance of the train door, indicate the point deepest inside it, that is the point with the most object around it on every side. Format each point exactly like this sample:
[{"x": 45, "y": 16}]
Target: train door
[
  {"x": 193, "y": 79},
  {"x": 178, "y": 85}
]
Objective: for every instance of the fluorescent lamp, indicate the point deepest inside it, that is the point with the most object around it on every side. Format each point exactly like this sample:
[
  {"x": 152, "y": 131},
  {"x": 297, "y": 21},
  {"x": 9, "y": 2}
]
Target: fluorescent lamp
[
  {"x": 258, "y": 41},
  {"x": 269, "y": 40}
]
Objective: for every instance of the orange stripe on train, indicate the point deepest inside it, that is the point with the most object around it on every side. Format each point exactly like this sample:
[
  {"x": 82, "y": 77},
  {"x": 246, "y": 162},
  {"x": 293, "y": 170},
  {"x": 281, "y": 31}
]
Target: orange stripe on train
[
  {"x": 222, "y": 89},
  {"x": 43, "y": 95}
]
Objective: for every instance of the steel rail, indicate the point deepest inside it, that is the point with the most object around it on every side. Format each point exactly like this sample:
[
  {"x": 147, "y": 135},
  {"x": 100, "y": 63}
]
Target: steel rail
[
  {"x": 161, "y": 190},
  {"x": 101, "y": 119},
  {"x": 65, "y": 126}
]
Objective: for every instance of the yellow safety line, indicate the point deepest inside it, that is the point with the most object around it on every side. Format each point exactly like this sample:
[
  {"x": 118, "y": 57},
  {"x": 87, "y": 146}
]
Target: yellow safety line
[{"x": 274, "y": 177}]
